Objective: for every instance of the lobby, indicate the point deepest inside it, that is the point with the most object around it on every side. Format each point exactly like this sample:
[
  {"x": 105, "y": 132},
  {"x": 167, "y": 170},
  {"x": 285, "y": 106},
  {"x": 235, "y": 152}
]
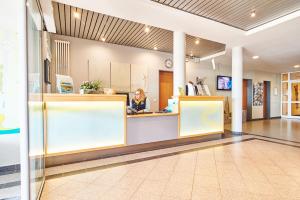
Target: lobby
[{"x": 150, "y": 99}]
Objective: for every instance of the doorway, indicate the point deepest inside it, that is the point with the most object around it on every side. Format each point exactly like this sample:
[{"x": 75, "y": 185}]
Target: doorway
[
  {"x": 267, "y": 99},
  {"x": 247, "y": 99},
  {"x": 165, "y": 88}
]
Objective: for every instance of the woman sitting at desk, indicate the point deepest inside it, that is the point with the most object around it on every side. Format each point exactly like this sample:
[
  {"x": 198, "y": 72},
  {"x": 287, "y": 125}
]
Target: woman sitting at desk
[{"x": 140, "y": 102}]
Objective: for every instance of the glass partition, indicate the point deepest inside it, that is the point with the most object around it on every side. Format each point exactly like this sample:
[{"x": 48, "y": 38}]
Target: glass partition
[
  {"x": 290, "y": 95},
  {"x": 35, "y": 104},
  {"x": 295, "y": 107}
]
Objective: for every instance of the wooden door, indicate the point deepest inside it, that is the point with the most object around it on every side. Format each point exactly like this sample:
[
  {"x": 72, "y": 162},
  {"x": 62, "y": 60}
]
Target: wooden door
[
  {"x": 165, "y": 88},
  {"x": 245, "y": 94}
]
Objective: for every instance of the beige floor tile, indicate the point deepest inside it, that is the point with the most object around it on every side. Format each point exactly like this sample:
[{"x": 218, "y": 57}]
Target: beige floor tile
[
  {"x": 159, "y": 175},
  {"x": 282, "y": 180},
  {"x": 142, "y": 195},
  {"x": 69, "y": 189},
  {"x": 128, "y": 182},
  {"x": 152, "y": 187},
  {"x": 177, "y": 190},
  {"x": 206, "y": 193},
  {"x": 236, "y": 194},
  {"x": 260, "y": 188},
  {"x": 117, "y": 194},
  {"x": 205, "y": 181},
  {"x": 182, "y": 178}
]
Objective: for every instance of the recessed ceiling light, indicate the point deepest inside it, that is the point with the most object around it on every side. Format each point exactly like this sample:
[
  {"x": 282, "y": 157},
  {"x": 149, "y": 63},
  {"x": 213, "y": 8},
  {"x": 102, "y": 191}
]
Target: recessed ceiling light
[
  {"x": 255, "y": 57},
  {"x": 155, "y": 48},
  {"x": 253, "y": 13},
  {"x": 296, "y": 66},
  {"x": 103, "y": 39},
  {"x": 76, "y": 15},
  {"x": 197, "y": 42},
  {"x": 147, "y": 29}
]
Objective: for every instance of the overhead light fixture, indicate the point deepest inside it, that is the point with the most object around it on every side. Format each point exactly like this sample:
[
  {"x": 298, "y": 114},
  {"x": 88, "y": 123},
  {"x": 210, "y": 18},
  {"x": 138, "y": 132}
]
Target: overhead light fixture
[
  {"x": 155, "y": 48},
  {"x": 213, "y": 56},
  {"x": 191, "y": 55},
  {"x": 103, "y": 39},
  {"x": 197, "y": 42},
  {"x": 213, "y": 63},
  {"x": 27, "y": 3},
  {"x": 255, "y": 57},
  {"x": 76, "y": 15},
  {"x": 296, "y": 66},
  {"x": 147, "y": 29},
  {"x": 253, "y": 13}
]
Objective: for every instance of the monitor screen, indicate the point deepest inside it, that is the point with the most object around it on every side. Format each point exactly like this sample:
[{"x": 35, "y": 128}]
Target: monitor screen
[
  {"x": 224, "y": 83},
  {"x": 127, "y": 94}
]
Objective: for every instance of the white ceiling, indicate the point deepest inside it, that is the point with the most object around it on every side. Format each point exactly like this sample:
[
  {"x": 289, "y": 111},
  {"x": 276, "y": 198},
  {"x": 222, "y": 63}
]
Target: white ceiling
[{"x": 278, "y": 47}]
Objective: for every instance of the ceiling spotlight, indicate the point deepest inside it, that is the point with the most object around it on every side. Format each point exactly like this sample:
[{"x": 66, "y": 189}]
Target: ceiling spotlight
[
  {"x": 155, "y": 48},
  {"x": 197, "y": 42},
  {"x": 255, "y": 57},
  {"x": 147, "y": 29},
  {"x": 76, "y": 15},
  {"x": 253, "y": 13},
  {"x": 296, "y": 66},
  {"x": 103, "y": 39}
]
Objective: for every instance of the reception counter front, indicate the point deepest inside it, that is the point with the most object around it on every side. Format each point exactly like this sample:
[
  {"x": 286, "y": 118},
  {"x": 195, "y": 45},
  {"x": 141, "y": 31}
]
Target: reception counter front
[
  {"x": 84, "y": 122},
  {"x": 89, "y": 123}
]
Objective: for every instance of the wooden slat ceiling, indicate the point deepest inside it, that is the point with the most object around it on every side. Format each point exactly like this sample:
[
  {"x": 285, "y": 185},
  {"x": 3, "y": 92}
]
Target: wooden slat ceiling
[
  {"x": 236, "y": 13},
  {"x": 95, "y": 26}
]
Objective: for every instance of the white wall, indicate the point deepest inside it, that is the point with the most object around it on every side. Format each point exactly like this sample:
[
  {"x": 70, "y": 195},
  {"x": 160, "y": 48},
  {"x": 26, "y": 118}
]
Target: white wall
[
  {"x": 82, "y": 50},
  {"x": 9, "y": 94}
]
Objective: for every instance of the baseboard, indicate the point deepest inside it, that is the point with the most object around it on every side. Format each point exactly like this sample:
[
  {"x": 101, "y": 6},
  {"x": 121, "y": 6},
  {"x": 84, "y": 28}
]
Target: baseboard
[
  {"x": 57, "y": 160},
  {"x": 257, "y": 119}
]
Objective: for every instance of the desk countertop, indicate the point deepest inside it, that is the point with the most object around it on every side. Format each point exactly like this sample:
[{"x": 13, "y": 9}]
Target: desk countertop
[{"x": 152, "y": 115}]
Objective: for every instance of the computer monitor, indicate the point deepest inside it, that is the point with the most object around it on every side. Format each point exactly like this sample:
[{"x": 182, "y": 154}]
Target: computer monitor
[{"x": 127, "y": 94}]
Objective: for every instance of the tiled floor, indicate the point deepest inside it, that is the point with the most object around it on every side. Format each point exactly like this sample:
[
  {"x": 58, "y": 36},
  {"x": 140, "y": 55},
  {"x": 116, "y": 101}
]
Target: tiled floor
[
  {"x": 253, "y": 169},
  {"x": 287, "y": 129},
  {"x": 9, "y": 186}
]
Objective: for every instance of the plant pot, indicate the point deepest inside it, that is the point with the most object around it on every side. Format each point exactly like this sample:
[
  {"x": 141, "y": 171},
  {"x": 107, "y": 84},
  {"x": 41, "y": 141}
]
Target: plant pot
[{"x": 87, "y": 91}]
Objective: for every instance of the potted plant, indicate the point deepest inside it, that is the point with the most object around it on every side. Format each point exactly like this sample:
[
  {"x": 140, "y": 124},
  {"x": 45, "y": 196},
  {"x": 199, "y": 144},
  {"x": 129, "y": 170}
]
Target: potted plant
[{"x": 90, "y": 87}]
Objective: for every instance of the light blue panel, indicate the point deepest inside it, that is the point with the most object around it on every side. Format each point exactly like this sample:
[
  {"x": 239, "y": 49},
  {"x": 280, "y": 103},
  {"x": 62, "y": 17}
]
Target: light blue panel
[
  {"x": 84, "y": 125},
  {"x": 36, "y": 129},
  {"x": 201, "y": 117}
]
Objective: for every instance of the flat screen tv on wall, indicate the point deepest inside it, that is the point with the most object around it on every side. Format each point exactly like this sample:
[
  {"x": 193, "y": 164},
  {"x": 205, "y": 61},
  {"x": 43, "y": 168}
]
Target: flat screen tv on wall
[{"x": 224, "y": 83}]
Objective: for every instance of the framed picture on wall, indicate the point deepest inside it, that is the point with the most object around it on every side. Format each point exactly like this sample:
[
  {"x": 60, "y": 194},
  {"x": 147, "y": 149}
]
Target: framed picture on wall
[
  {"x": 258, "y": 94},
  {"x": 47, "y": 72}
]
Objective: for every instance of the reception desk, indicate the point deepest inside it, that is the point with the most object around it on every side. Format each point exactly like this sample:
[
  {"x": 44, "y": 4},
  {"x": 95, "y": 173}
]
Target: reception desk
[
  {"x": 78, "y": 124},
  {"x": 200, "y": 115}
]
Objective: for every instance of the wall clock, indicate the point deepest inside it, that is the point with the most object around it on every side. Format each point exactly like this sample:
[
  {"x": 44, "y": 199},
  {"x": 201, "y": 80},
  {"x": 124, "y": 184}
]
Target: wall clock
[{"x": 168, "y": 63}]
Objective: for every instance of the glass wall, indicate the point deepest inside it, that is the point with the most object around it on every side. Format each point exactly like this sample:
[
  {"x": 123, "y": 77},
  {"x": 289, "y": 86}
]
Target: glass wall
[{"x": 35, "y": 99}]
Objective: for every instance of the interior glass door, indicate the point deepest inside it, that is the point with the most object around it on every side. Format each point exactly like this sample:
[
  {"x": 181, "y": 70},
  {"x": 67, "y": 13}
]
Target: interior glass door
[{"x": 35, "y": 99}]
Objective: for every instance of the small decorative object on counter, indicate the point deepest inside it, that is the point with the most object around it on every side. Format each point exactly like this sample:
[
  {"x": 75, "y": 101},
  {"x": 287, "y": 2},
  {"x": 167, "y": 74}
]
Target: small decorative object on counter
[
  {"x": 181, "y": 91},
  {"x": 90, "y": 87}
]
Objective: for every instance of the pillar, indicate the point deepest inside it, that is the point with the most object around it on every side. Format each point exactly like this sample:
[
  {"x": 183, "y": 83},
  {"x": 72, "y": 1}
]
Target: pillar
[
  {"x": 237, "y": 89},
  {"x": 178, "y": 62}
]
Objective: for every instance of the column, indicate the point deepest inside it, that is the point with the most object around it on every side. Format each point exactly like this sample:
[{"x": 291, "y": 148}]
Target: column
[
  {"x": 178, "y": 62},
  {"x": 237, "y": 89}
]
